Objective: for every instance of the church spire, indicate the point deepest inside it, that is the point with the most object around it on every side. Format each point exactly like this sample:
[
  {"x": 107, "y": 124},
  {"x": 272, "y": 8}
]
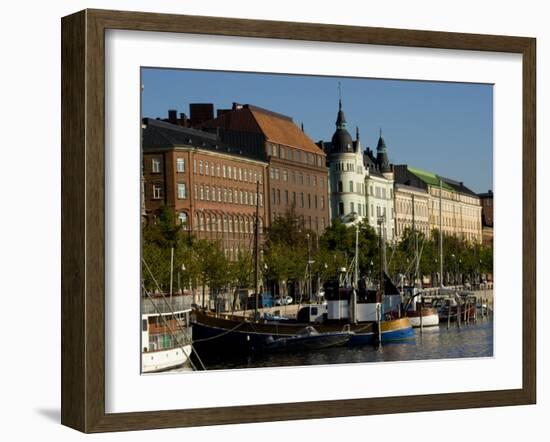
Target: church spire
[
  {"x": 341, "y": 119},
  {"x": 382, "y": 155}
]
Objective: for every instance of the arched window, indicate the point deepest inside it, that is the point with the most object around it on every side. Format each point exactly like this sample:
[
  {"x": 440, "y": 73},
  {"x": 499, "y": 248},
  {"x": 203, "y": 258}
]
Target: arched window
[{"x": 182, "y": 216}]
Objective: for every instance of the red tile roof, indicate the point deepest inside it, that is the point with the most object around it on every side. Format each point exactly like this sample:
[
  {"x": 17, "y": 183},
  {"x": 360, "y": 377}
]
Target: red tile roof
[{"x": 276, "y": 128}]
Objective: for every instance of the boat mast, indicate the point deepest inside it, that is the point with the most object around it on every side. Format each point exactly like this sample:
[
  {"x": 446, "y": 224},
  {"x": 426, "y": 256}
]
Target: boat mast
[
  {"x": 171, "y": 273},
  {"x": 440, "y": 234},
  {"x": 355, "y": 278},
  {"x": 415, "y": 233},
  {"x": 256, "y": 246}
]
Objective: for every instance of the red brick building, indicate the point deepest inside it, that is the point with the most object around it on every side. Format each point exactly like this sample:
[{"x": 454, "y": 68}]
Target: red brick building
[
  {"x": 297, "y": 174},
  {"x": 210, "y": 186},
  {"x": 486, "y": 208}
]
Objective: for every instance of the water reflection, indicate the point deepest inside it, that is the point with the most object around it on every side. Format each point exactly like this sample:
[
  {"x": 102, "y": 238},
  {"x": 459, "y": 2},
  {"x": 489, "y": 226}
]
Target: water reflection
[{"x": 469, "y": 341}]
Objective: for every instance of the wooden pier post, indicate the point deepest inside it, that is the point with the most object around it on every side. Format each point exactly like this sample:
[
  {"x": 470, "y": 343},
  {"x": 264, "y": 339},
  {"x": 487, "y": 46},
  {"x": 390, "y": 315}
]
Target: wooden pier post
[
  {"x": 458, "y": 312},
  {"x": 475, "y": 312},
  {"x": 378, "y": 321},
  {"x": 448, "y": 314}
]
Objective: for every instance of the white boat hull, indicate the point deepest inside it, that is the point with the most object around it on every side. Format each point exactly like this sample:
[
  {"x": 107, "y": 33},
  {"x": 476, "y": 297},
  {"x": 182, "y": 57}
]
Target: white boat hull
[
  {"x": 427, "y": 320},
  {"x": 161, "y": 360}
]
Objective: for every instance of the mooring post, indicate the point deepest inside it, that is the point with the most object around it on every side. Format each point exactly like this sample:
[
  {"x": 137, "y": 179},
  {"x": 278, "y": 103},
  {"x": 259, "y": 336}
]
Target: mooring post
[
  {"x": 421, "y": 320},
  {"x": 378, "y": 319},
  {"x": 448, "y": 313},
  {"x": 458, "y": 313}
]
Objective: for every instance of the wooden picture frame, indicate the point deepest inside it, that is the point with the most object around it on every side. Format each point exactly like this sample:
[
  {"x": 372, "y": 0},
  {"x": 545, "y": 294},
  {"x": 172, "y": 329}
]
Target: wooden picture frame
[{"x": 83, "y": 216}]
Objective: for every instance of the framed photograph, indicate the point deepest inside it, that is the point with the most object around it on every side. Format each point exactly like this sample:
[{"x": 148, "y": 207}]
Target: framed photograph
[{"x": 266, "y": 221}]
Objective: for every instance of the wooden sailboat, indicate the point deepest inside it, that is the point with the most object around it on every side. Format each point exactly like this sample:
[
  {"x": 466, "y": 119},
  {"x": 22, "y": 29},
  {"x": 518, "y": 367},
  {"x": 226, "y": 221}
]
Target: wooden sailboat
[{"x": 232, "y": 334}]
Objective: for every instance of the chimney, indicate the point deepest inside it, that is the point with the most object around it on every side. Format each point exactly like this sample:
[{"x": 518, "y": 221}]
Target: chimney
[
  {"x": 183, "y": 120},
  {"x": 173, "y": 116},
  {"x": 200, "y": 112}
]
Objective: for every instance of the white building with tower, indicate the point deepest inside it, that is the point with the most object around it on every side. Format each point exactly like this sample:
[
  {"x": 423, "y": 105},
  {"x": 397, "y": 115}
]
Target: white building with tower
[
  {"x": 346, "y": 173},
  {"x": 379, "y": 181},
  {"x": 361, "y": 184}
]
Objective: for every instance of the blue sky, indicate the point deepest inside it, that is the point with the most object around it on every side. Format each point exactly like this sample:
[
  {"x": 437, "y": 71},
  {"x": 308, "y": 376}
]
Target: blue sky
[{"x": 445, "y": 128}]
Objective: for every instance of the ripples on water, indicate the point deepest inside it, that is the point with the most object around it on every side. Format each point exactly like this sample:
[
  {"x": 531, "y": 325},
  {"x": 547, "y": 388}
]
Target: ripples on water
[{"x": 470, "y": 341}]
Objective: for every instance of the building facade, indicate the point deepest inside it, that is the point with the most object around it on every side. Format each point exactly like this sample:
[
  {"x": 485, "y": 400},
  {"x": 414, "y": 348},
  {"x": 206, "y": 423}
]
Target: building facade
[
  {"x": 379, "y": 182},
  {"x": 212, "y": 189},
  {"x": 297, "y": 176},
  {"x": 460, "y": 209},
  {"x": 361, "y": 184},
  {"x": 411, "y": 210},
  {"x": 487, "y": 217},
  {"x": 346, "y": 173}
]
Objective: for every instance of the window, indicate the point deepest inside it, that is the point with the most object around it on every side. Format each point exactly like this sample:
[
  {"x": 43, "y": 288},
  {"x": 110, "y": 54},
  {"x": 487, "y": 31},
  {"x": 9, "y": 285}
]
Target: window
[
  {"x": 240, "y": 174},
  {"x": 180, "y": 165},
  {"x": 157, "y": 191},
  {"x": 316, "y": 202},
  {"x": 352, "y": 207},
  {"x": 261, "y": 200},
  {"x": 202, "y": 192},
  {"x": 224, "y": 170},
  {"x": 206, "y": 169},
  {"x": 302, "y": 199},
  {"x": 155, "y": 165},
  {"x": 182, "y": 191},
  {"x": 196, "y": 192},
  {"x": 286, "y": 197},
  {"x": 340, "y": 186},
  {"x": 219, "y": 194},
  {"x": 285, "y": 175},
  {"x": 229, "y": 172},
  {"x": 207, "y": 193},
  {"x": 340, "y": 208},
  {"x": 351, "y": 186},
  {"x": 201, "y": 167},
  {"x": 218, "y": 169},
  {"x": 322, "y": 182},
  {"x": 195, "y": 167},
  {"x": 309, "y": 200},
  {"x": 273, "y": 196},
  {"x": 294, "y": 198},
  {"x": 322, "y": 202},
  {"x": 276, "y": 174},
  {"x": 278, "y": 196}
]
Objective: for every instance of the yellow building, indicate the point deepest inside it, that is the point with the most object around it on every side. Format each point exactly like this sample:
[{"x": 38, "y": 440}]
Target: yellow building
[
  {"x": 411, "y": 210},
  {"x": 461, "y": 207}
]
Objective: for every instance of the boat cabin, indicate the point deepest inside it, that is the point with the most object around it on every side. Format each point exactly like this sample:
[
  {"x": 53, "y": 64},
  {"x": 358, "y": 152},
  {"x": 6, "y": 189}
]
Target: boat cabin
[{"x": 312, "y": 313}]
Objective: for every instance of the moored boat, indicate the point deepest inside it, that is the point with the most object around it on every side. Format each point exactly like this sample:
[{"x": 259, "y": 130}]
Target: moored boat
[
  {"x": 308, "y": 339},
  {"x": 166, "y": 335}
]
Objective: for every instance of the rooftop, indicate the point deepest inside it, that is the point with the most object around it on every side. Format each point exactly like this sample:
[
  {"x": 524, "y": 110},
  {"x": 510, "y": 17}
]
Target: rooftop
[
  {"x": 160, "y": 134},
  {"x": 276, "y": 128}
]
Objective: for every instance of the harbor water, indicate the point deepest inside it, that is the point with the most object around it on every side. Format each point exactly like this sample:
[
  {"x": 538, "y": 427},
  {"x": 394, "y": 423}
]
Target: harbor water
[{"x": 471, "y": 340}]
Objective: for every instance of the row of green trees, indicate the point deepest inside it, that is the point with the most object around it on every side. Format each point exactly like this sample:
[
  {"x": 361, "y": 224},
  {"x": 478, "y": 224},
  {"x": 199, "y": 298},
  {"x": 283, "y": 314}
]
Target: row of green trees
[
  {"x": 197, "y": 263},
  {"x": 288, "y": 248}
]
